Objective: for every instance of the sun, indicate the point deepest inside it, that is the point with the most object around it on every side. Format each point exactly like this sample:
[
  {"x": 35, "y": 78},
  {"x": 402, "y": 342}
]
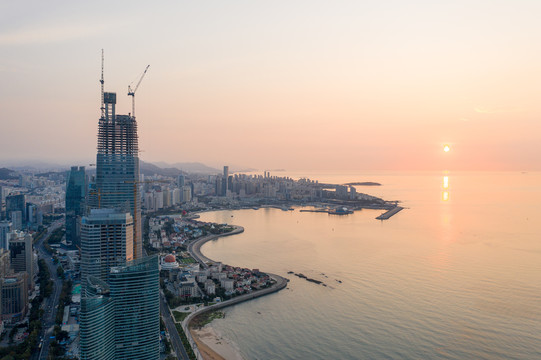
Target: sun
[{"x": 446, "y": 148}]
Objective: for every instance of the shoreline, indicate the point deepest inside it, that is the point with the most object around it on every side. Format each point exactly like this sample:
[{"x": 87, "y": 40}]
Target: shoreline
[
  {"x": 213, "y": 346},
  {"x": 205, "y": 350},
  {"x": 194, "y": 248}
]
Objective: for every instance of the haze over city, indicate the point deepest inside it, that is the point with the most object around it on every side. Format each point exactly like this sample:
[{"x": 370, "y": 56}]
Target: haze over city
[{"x": 301, "y": 85}]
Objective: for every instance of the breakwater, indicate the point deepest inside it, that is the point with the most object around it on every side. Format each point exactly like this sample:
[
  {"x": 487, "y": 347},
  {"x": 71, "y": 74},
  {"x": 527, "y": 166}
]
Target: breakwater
[{"x": 386, "y": 215}]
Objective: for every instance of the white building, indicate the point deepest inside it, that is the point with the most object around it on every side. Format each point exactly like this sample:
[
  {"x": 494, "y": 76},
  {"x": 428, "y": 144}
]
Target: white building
[
  {"x": 168, "y": 262},
  {"x": 210, "y": 287},
  {"x": 227, "y": 284},
  {"x": 186, "y": 194}
]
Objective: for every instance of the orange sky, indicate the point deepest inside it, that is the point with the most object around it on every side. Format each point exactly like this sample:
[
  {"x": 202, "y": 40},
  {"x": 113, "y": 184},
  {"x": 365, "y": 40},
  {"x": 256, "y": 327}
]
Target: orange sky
[{"x": 300, "y": 85}]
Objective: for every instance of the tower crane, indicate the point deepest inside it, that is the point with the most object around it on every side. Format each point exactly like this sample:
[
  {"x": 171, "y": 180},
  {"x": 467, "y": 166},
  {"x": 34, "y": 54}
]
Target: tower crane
[
  {"x": 131, "y": 92},
  {"x": 99, "y": 193},
  {"x": 102, "y": 108}
]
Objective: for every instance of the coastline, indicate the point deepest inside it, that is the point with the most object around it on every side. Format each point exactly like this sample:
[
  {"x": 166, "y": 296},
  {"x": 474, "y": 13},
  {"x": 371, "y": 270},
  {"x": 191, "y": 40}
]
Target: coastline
[
  {"x": 194, "y": 248},
  {"x": 207, "y": 343},
  {"x": 213, "y": 346}
]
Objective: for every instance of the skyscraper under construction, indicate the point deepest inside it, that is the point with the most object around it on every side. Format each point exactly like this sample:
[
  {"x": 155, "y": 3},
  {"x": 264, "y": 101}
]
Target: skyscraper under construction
[
  {"x": 120, "y": 311},
  {"x": 117, "y": 165}
]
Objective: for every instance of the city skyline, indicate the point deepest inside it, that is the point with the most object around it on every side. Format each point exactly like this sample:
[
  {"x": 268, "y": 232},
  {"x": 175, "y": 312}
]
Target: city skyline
[{"x": 300, "y": 86}]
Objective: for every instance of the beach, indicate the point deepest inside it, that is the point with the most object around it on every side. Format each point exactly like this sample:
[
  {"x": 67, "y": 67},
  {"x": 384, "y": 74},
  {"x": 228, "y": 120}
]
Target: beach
[{"x": 213, "y": 346}]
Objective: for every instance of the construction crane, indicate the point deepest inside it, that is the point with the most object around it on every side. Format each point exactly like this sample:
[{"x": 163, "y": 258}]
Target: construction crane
[
  {"x": 101, "y": 82},
  {"x": 100, "y": 193},
  {"x": 132, "y": 92}
]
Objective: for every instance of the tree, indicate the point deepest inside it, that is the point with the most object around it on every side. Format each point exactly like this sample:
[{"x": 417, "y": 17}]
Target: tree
[{"x": 60, "y": 272}]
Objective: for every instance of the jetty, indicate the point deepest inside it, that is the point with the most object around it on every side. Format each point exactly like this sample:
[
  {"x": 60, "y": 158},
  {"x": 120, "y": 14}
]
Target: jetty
[{"x": 386, "y": 215}]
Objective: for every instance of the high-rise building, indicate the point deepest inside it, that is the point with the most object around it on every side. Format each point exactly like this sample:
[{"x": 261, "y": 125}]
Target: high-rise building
[
  {"x": 31, "y": 214},
  {"x": 166, "y": 198},
  {"x": 20, "y": 248},
  {"x": 120, "y": 319},
  {"x": 76, "y": 192},
  {"x": 16, "y": 220},
  {"x": 135, "y": 289},
  {"x": 181, "y": 180},
  {"x": 97, "y": 337},
  {"x": 5, "y": 229},
  {"x": 219, "y": 186},
  {"x": 176, "y": 196},
  {"x": 106, "y": 241},
  {"x": 14, "y": 293},
  {"x": 5, "y": 264},
  {"x": 16, "y": 203},
  {"x": 117, "y": 165},
  {"x": 225, "y": 182},
  {"x": 120, "y": 311},
  {"x": 186, "y": 194}
]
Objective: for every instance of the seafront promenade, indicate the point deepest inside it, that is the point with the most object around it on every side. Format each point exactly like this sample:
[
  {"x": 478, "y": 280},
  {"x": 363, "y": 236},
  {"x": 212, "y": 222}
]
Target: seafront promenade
[
  {"x": 194, "y": 248},
  {"x": 195, "y": 251}
]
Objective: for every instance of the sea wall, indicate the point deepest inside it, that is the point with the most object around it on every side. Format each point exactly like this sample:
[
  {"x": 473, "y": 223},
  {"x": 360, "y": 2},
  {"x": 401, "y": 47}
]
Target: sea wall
[{"x": 195, "y": 250}]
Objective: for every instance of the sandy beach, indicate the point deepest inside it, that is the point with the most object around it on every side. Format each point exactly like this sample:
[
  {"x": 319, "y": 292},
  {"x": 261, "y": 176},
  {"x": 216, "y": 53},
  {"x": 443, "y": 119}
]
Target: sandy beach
[{"x": 213, "y": 346}]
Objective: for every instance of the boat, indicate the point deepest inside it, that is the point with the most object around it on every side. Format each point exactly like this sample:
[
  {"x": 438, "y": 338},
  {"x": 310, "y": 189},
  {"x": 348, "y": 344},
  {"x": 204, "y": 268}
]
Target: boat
[{"x": 340, "y": 211}]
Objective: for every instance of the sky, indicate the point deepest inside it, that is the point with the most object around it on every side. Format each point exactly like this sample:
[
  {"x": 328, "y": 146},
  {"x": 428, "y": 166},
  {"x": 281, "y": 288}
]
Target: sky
[{"x": 299, "y": 85}]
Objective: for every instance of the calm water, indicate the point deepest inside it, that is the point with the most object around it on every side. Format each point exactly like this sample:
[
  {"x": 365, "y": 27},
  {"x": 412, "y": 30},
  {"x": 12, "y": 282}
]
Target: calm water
[{"x": 455, "y": 276}]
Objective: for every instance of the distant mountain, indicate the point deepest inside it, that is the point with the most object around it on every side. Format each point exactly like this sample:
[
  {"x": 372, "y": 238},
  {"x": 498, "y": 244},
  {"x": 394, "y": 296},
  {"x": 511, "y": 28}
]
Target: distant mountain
[
  {"x": 23, "y": 165},
  {"x": 146, "y": 168},
  {"x": 7, "y": 174},
  {"x": 149, "y": 169},
  {"x": 190, "y": 167}
]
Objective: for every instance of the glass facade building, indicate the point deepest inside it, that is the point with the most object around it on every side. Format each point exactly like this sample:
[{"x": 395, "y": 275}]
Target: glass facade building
[
  {"x": 76, "y": 192},
  {"x": 121, "y": 319},
  {"x": 97, "y": 325},
  {"x": 16, "y": 203},
  {"x": 14, "y": 297},
  {"x": 106, "y": 241},
  {"x": 20, "y": 248},
  {"x": 135, "y": 290}
]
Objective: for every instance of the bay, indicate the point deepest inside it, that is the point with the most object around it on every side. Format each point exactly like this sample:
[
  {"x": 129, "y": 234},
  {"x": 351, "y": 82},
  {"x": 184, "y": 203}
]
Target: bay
[{"x": 455, "y": 275}]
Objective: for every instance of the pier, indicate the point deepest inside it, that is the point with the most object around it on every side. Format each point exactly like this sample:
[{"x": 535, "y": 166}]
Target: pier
[{"x": 386, "y": 215}]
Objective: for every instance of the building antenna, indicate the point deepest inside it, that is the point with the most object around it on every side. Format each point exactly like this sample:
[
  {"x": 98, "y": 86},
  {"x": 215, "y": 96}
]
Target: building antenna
[
  {"x": 132, "y": 92},
  {"x": 101, "y": 82}
]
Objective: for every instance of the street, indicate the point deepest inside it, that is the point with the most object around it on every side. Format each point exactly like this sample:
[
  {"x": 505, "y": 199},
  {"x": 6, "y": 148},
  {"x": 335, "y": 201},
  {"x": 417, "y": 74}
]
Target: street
[
  {"x": 50, "y": 304},
  {"x": 176, "y": 342}
]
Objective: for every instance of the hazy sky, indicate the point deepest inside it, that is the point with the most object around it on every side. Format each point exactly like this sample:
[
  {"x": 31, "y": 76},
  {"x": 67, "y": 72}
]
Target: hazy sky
[{"x": 300, "y": 85}]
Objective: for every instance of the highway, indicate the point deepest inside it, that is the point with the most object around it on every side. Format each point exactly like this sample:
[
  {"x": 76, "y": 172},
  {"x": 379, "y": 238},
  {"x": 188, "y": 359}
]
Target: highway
[{"x": 49, "y": 304}]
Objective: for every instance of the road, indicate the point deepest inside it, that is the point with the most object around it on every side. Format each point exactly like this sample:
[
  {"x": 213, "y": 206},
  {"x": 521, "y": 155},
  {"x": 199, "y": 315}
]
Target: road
[
  {"x": 176, "y": 342},
  {"x": 49, "y": 304},
  {"x": 194, "y": 248}
]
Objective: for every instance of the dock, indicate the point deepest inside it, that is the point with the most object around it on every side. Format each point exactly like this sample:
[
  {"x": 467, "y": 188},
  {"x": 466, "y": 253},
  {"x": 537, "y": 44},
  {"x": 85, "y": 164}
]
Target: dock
[{"x": 386, "y": 215}]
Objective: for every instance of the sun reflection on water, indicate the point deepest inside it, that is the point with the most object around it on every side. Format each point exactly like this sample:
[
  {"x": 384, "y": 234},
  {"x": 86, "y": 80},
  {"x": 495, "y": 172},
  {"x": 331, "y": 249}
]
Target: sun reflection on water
[{"x": 445, "y": 192}]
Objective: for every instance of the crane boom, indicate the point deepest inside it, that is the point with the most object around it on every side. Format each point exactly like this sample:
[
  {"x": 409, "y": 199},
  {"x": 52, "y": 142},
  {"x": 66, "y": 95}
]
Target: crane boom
[
  {"x": 132, "y": 92},
  {"x": 101, "y": 82}
]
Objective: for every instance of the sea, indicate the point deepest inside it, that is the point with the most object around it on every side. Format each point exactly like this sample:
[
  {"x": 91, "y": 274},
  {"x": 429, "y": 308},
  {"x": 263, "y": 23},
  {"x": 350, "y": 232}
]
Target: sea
[{"x": 455, "y": 275}]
